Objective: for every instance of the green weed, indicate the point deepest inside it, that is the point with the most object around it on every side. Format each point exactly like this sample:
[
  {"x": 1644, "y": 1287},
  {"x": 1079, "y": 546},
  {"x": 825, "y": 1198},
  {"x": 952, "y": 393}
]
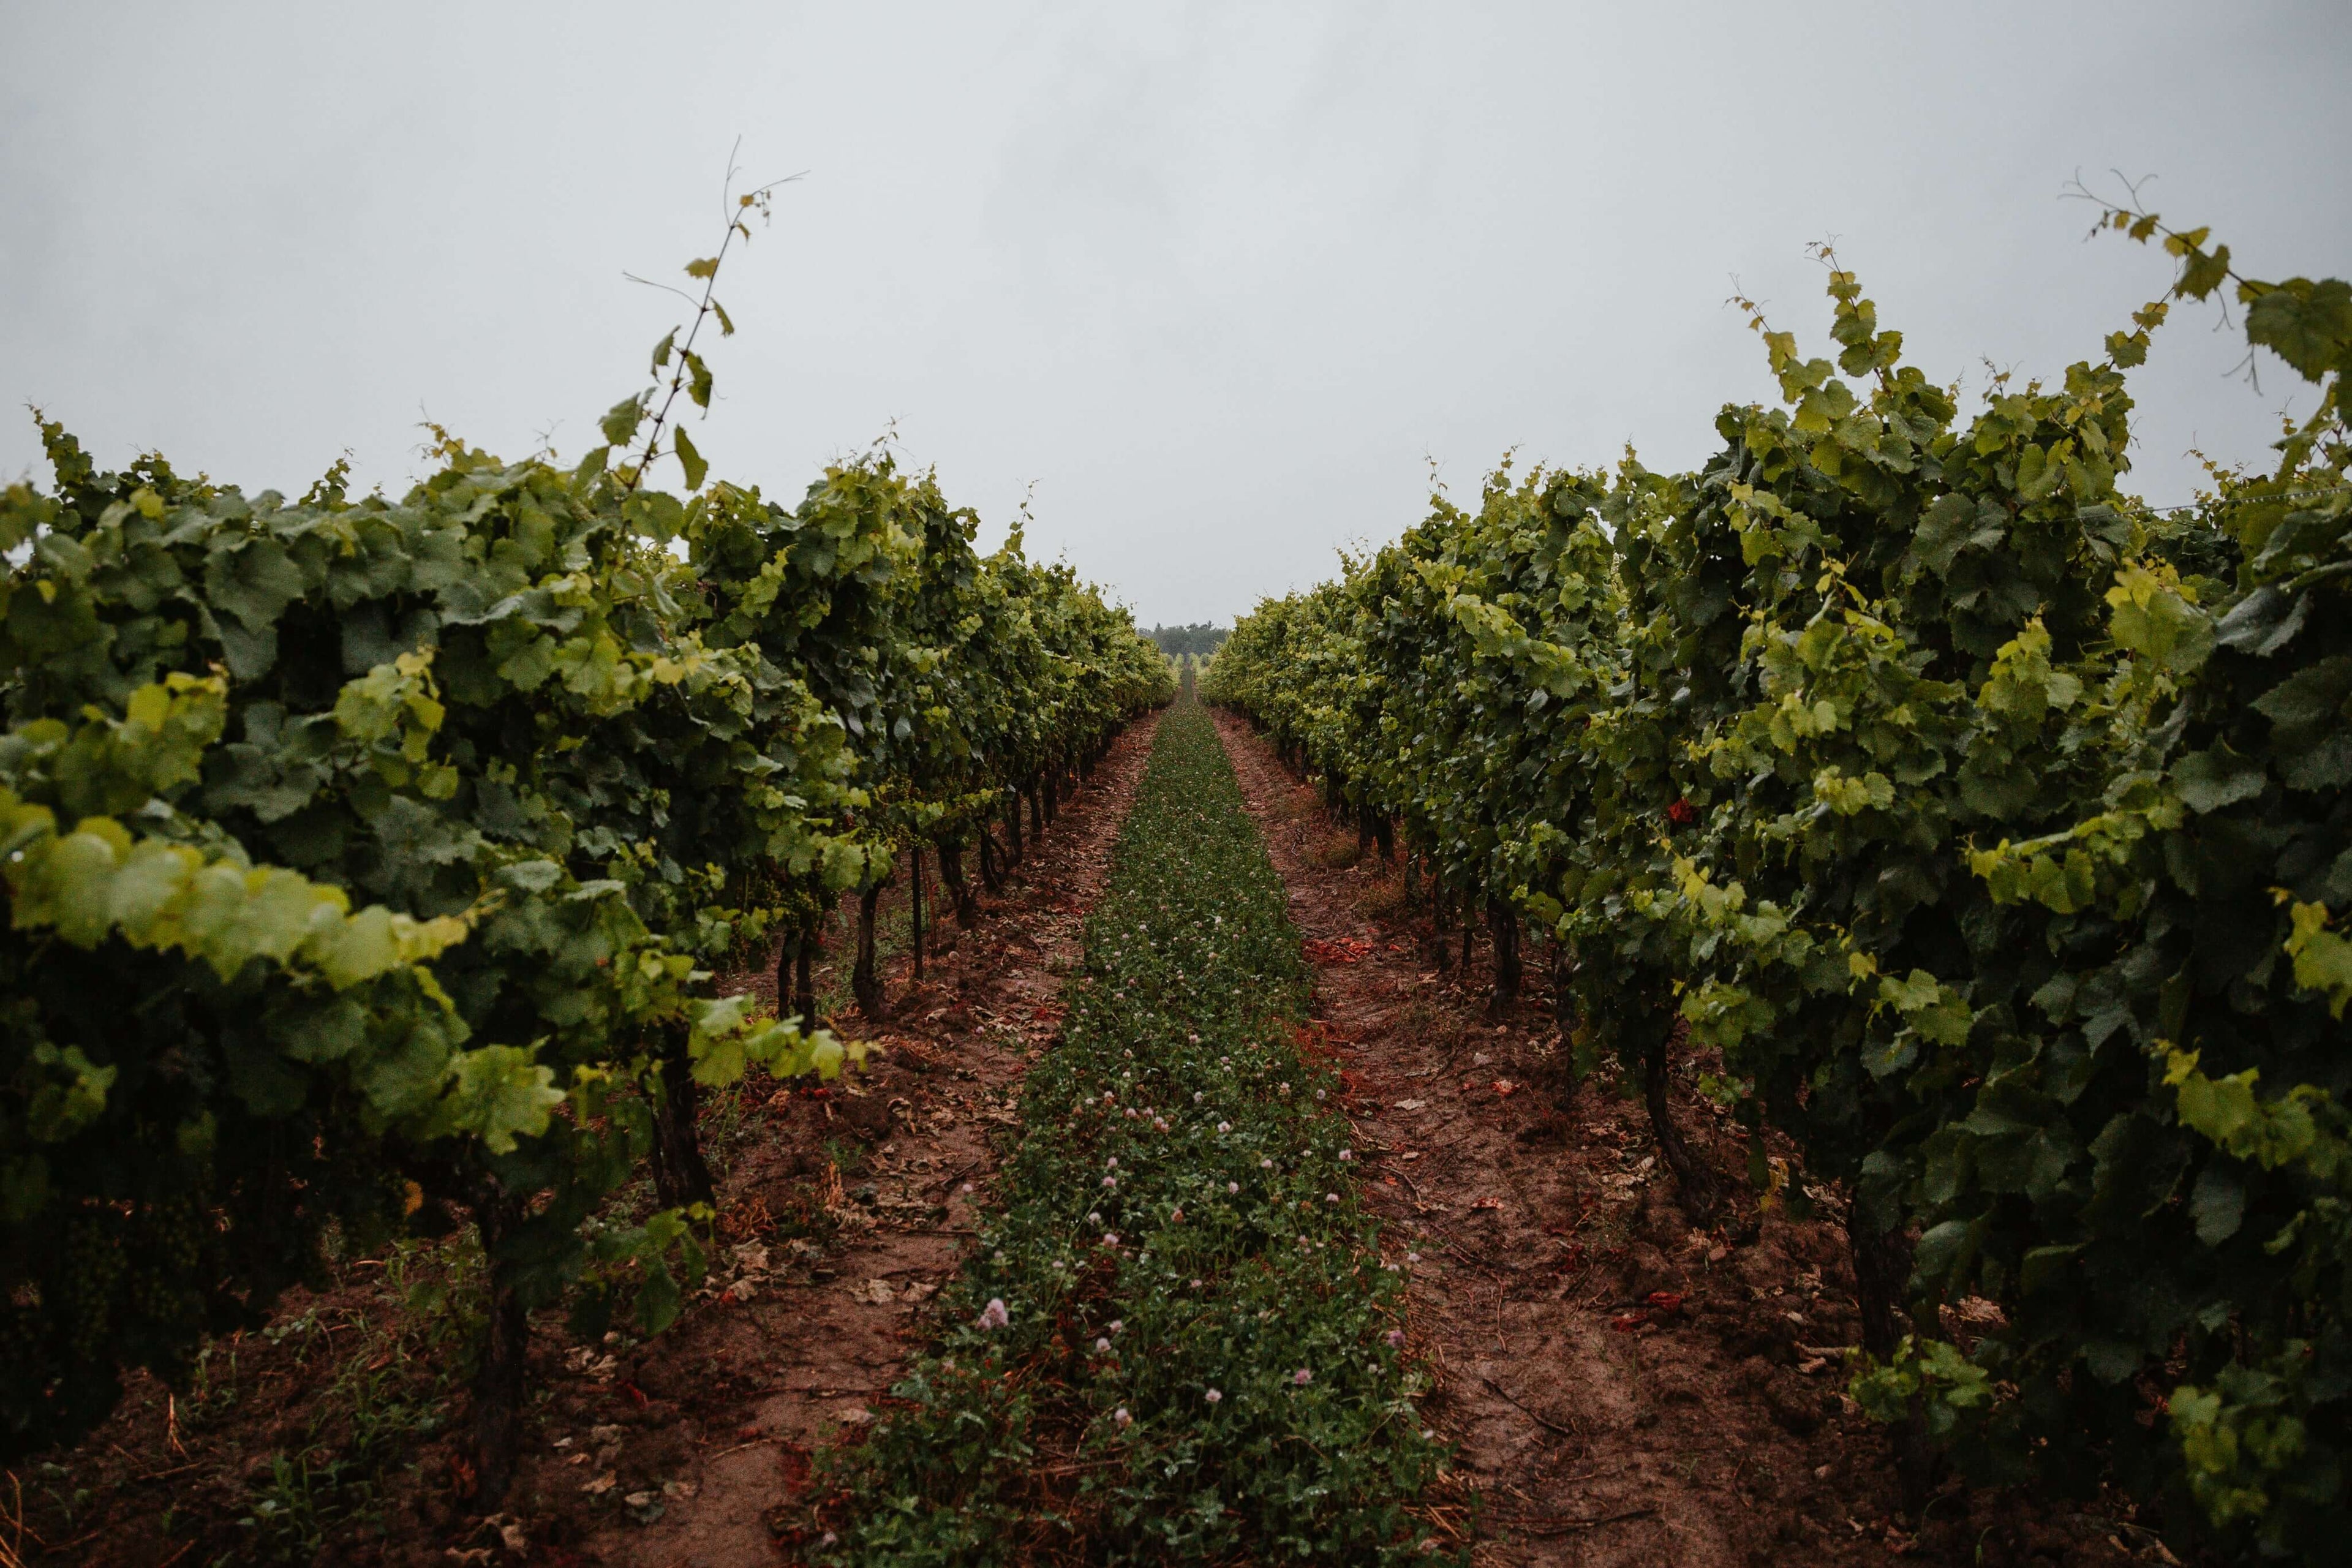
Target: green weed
[{"x": 1177, "y": 1342}]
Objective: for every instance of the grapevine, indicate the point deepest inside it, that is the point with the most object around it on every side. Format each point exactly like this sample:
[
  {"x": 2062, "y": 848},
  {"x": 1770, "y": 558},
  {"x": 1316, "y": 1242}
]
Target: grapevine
[
  {"x": 1986, "y": 822},
  {"x": 368, "y": 861}
]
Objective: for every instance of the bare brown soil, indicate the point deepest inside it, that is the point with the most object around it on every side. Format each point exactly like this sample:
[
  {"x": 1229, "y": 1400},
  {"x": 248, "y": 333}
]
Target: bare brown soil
[
  {"x": 1622, "y": 1389},
  {"x": 842, "y": 1211}
]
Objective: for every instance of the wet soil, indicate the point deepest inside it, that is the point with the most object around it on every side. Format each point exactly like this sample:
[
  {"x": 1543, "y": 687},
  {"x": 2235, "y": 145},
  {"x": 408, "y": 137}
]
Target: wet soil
[
  {"x": 1622, "y": 1388},
  {"x": 842, "y": 1210}
]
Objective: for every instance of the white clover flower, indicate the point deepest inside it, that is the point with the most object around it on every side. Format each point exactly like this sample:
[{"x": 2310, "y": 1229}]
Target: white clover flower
[
  {"x": 1176, "y": 1215},
  {"x": 1396, "y": 1339},
  {"x": 1101, "y": 1345},
  {"x": 1301, "y": 1378},
  {"x": 1116, "y": 1325},
  {"x": 1213, "y": 1397},
  {"x": 1111, "y": 1163},
  {"x": 1111, "y": 1183},
  {"x": 1120, "y": 1416},
  {"x": 1199, "y": 1095},
  {"x": 1265, "y": 1165},
  {"x": 1094, "y": 1219},
  {"x": 1110, "y": 1238},
  {"x": 1225, "y": 1127},
  {"x": 993, "y": 1316},
  {"x": 1232, "y": 1187},
  {"x": 1346, "y": 1156},
  {"x": 1412, "y": 1258},
  {"x": 1196, "y": 1284},
  {"x": 1330, "y": 1197}
]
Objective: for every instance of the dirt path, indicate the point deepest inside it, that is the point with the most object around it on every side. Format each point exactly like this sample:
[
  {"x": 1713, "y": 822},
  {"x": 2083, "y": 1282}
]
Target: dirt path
[
  {"x": 814, "y": 1326},
  {"x": 1623, "y": 1389}
]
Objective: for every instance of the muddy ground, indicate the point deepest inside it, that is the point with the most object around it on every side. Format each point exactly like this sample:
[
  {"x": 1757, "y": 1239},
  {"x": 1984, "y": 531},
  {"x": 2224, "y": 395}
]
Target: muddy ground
[
  {"x": 1623, "y": 1389},
  {"x": 327, "y": 1436}
]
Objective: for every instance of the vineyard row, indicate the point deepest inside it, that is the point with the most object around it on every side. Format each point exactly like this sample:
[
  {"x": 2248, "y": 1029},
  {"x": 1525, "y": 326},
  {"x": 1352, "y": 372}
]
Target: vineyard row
[
  {"x": 1988, "y": 832},
  {"x": 369, "y": 861}
]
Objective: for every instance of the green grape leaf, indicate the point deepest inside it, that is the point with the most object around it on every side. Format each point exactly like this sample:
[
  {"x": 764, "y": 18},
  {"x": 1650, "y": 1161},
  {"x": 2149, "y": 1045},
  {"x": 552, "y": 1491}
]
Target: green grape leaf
[
  {"x": 2308, "y": 324},
  {"x": 620, "y": 422},
  {"x": 689, "y": 460},
  {"x": 498, "y": 1093}
]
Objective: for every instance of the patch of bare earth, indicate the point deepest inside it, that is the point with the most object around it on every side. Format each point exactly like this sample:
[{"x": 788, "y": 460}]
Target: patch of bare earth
[
  {"x": 1622, "y": 1389},
  {"x": 842, "y": 1210}
]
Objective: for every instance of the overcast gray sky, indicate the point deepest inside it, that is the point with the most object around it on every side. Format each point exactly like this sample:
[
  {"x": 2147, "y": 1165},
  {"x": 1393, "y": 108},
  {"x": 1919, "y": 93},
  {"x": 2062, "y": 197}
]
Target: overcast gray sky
[{"x": 1220, "y": 280}]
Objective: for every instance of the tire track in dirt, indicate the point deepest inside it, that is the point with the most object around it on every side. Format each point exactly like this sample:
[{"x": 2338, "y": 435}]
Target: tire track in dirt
[
  {"x": 1623, "y": 1389},
  {"x": 711, "y": 1428}
]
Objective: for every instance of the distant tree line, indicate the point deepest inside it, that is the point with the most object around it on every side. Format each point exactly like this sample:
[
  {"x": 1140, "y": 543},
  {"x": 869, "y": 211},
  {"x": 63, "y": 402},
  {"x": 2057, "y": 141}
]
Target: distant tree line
[{"x": 1200, "y": 639}]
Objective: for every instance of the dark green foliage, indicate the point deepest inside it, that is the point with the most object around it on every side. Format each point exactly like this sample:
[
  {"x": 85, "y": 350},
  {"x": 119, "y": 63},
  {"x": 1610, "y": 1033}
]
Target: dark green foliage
[
  {"x": 1197, "y": 640},
  {"x": 1992, "y": 827},
  {"x": 557, "y": 769}
]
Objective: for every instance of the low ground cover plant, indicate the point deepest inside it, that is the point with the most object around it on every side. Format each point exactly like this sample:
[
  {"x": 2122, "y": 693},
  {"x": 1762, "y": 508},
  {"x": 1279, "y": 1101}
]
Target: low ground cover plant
[{"x": 1178, "y": 1341}]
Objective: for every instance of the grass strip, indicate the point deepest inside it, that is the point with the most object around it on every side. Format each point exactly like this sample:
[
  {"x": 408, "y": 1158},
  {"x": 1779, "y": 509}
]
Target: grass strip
[{"x": 1177, "y": 1342}]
